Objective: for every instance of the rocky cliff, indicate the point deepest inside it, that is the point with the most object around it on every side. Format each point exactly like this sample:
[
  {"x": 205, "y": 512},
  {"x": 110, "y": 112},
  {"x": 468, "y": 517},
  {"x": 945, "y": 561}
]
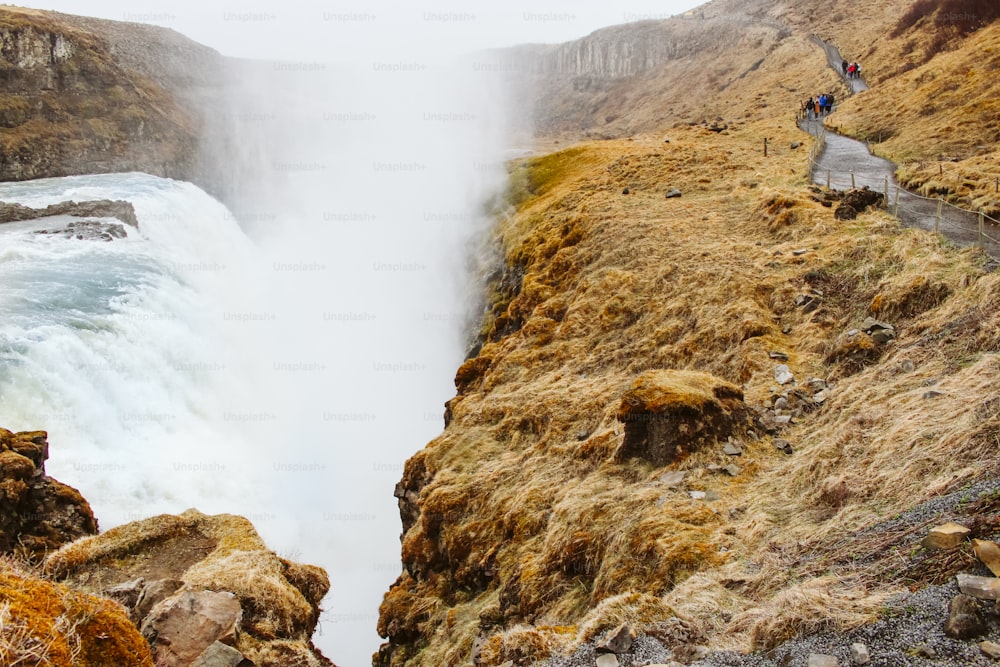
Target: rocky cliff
[
  {"x": 69, "y": 106},
  {"x": 708, "y": 416},
  {"x": 181, "y": 591}
]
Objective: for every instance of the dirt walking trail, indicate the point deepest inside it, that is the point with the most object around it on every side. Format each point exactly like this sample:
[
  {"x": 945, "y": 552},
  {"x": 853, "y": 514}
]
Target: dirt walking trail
[{"x": 846, "y": 163}]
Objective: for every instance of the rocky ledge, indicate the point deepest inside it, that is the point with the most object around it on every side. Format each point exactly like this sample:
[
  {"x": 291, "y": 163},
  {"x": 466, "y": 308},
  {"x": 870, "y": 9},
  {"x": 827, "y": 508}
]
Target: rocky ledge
[
  {"x": 102, "y": 208},
  {"x": 176, "y": 591}
]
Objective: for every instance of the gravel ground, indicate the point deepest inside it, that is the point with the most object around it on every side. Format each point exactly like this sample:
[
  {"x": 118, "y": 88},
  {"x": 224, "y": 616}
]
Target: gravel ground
[{"x": 909, "y": 622}]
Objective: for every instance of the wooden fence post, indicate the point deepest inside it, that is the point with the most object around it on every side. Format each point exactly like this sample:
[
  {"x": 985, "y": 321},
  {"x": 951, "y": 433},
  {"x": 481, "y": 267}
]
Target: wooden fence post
[
  {"x": 937, "y": 218},
  {"x": 853, "y": 186},
  {"x": 827, "y": 179},
  {"x": 886, "y": 193},
  {"x": 896, "y": 213},
  {"x": 982, "y": 233}
]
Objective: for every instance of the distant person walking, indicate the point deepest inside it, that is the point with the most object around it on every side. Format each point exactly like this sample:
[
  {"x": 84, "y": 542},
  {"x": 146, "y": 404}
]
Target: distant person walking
[
  {"x": 818, "y": 108},
  {"x": 828, "y": 107},
  {"x": 822, "y": 103},
  {"x": 807, "y": 108},
  {"x": 843, "y": 66},
  {"x": 857, "y": 70},
  {"x": 850, "y": 71}
]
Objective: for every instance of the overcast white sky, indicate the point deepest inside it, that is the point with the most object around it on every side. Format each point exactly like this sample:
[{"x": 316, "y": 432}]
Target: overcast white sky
[{"x": 313, "y": 30}]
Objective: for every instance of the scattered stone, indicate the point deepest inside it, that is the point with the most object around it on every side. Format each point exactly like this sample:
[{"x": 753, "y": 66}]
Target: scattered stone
[
  {"x": 151, "y": 594},
  {"x": 783, "y": 445},
  {"x": 822, "y": 660},
  {"x": 990, "y": 649},
  {"x": 983, "y": 588},
  {"x": 859, "y": 654},
  {"x": 126, "y": 593},
  {"x": 926, "y": 651},
  {"x": 713, "y": 467},
  {"x": 964, "y": 620},
  {"x": 989, "y": 553},
  {"x": 733, "y": 470},
  {"x": 795, "y": 144},
  {"x": 582, "y": 435},
  {"x": 672, "y": 193},
  {"x": 907, "y": 366},
  {"x": 845, "y": 212},
  {"x": 782, "y": 419},
  {"x": 933, "y": 393},
  {"x": 782, "y": 374},
  {"x": 607, "y": 660},
  {"x": 697, "y": 495},
  {"x": 219, "y": 655},
  {"x": 619, "y": 640},
  {"x": 711, "y": 496},
  {"x": 673, "y": 478},
  {"x": 820, "y": 397},
  {"x": 883, "y": 336},
  {"x": 780, "y": 356},
  {"x": 871, "y": 324},
  {"x": 787, "y": 329},
  {"x": 781, "y": 403},
  {"x": 732, "y": 449},
  {"x": 853, "y": 332},
  {"x": 625, "y": 191},
  {"x": 945, "y": 536}
]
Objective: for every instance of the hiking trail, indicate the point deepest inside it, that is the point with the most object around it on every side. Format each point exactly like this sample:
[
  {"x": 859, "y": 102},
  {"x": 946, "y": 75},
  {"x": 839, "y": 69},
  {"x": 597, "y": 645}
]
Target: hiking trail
[{"x": 845, "y": 163}]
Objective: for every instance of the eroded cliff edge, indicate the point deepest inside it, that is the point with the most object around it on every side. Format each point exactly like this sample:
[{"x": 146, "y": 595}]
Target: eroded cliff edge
[{"x": 721, "y": 417}]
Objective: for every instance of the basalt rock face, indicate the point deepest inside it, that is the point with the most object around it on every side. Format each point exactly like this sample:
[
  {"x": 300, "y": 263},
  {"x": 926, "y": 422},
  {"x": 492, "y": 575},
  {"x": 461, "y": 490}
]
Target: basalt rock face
[
  {"x": 69, "y": 106},
  {"x": 37, "y": 513},
  {"x": 103, "y": 208}
]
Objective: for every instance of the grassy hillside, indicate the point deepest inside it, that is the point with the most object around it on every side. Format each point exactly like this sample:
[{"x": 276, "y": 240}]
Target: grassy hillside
[
  {"x": 932, "y": 107},
  {"x": 550, "y": 510},
  {"x": 529, "y": 531}
]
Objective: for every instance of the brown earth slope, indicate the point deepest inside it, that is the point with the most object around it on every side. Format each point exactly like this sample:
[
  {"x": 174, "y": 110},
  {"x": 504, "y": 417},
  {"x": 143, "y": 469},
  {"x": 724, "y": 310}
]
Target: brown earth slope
[{"x": 632, "y": 335}]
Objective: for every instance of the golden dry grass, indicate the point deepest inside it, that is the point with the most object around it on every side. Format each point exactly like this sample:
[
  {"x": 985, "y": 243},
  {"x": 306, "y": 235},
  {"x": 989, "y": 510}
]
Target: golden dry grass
[
  {"x": 45, "y": 624},
  {"x": 529, "y": 528}
]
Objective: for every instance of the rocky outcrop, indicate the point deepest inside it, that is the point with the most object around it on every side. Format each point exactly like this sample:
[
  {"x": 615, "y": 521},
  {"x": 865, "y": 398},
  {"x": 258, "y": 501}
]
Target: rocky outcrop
[
  {"x": 669, "y": 414},
  {"x": 103, "y": 208},
  {"x": 37, "y": 513},
  {"x": 193, "y": 580}
]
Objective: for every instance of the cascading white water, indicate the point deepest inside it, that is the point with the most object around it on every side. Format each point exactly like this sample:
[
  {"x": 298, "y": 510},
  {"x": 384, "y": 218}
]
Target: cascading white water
[{"x": 282, "y": 367}]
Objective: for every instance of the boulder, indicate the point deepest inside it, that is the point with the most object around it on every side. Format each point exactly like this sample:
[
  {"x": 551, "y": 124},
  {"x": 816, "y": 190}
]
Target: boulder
[
  {"x": 782, "y": 374},
  {"x": 982, "y": 588},
  {"x": 607, "y": 660},
  {"x": 945, "y": 536},
  {"x": 964, "y": 618},
  {"x": 618, "y": 640},
  {"x": 990, "y": 649},
  {"x": 180, "y": 628},
  {"x": 672, "y": 193},
  {"x": 859, "y": 654},
  {"x": 669, "y": 414},
  {"x": 989, "y": 553},
  {"x": 221, "y": 655}
]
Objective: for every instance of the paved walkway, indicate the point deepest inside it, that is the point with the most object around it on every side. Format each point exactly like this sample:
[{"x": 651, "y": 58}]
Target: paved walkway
[{"x": 843, "y": 157}]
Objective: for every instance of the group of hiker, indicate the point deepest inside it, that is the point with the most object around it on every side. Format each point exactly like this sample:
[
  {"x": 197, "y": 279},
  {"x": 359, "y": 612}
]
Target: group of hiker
[
  {"x": 851, "y": 70},
  {"x": 817, "y": 106}
]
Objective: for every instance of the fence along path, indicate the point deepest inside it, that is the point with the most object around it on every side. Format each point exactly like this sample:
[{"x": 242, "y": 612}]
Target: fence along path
[{"x": 839, "y": 162}]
